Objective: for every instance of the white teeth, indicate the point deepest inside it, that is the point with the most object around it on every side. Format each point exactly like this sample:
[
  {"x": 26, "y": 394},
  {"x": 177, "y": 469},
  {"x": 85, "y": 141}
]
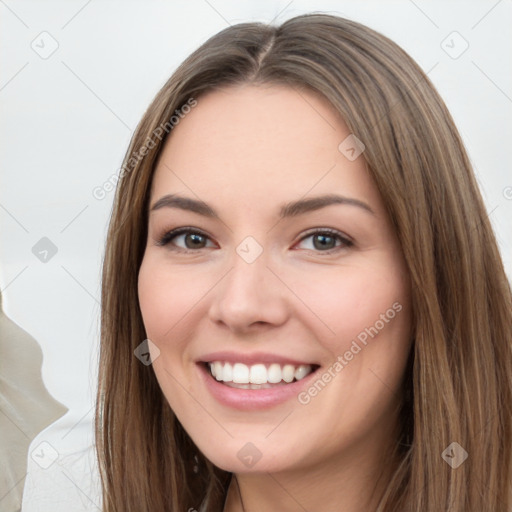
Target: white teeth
[
  {"x": 302, "y": 371},
  {"x": 274, "y": 374},
  {"x": 288, "y": 372},
  {"x": 218, "y": 369},
  {"x": 227, "y": 372},
  {"x": 258, "y": 374},
  {"x": 240, "y": 373}
]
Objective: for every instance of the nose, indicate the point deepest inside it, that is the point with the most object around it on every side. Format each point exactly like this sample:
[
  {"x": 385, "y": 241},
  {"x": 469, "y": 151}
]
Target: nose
[{"x": 249, "y": 297}]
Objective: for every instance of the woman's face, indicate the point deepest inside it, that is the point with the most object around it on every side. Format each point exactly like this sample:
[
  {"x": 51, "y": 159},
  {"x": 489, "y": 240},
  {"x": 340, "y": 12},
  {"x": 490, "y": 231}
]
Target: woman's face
[{"x": 289, "y": 269}]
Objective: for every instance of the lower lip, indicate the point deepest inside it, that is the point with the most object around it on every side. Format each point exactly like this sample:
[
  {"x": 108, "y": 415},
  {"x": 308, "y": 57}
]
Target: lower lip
[{"x": 252, "y": 399}]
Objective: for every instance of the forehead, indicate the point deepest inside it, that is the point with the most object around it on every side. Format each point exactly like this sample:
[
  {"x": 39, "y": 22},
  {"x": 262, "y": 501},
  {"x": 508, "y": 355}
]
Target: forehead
[{"x": 257, "y": 144}]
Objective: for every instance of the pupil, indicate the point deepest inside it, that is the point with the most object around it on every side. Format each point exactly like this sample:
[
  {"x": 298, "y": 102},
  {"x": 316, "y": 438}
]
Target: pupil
[
  {"x": 195, "y": 237},
  {"x": 322, "y": 245}
]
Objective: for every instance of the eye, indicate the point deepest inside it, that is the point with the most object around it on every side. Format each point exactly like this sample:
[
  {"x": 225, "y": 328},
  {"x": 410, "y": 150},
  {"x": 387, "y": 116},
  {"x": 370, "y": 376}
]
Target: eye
[
  {"x": 324, "y": 240},
  {"x": 192, "y": 238}
]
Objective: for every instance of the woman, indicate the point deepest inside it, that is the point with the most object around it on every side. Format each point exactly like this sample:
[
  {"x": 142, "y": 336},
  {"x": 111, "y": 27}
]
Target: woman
[{"x": 299, "y": 247}]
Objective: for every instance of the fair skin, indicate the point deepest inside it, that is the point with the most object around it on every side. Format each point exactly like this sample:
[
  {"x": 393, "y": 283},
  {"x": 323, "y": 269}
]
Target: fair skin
[{"x": 246, "y": 151}]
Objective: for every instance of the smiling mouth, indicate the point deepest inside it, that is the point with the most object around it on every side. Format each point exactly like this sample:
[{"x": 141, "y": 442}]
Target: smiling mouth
[{"x": 258, "y": 376}]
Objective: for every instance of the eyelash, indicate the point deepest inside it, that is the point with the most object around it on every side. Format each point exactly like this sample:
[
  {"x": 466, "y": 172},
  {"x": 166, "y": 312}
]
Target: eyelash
[{"x": 170, "y": 235}]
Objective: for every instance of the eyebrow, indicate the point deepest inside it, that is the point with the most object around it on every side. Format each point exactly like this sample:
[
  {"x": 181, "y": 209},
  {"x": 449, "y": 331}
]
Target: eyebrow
[{"x": 291, "y": 209}]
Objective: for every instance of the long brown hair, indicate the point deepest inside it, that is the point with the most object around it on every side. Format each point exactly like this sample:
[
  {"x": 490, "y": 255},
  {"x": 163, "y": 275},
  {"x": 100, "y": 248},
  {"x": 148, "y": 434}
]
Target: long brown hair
[{"x": 459, "y": 381}]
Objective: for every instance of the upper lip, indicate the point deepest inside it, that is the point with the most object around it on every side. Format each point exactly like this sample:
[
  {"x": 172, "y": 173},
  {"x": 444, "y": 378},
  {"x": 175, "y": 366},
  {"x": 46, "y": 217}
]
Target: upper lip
[{"x": 250, "y": 359}]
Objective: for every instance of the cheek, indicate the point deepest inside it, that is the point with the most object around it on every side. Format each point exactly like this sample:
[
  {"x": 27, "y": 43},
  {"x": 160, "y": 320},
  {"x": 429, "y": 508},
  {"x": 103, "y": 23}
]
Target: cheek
[
  {"x": 356, "y": 299},
  {"x": 368, "y": 310},
  {"x": 154, "y": 299},
  {"x": 165, "y": 298}
]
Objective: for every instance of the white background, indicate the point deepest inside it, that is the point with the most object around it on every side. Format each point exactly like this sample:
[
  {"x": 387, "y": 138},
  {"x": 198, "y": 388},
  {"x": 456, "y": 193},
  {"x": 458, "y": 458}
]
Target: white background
[{"x": 66, "y": 123}]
